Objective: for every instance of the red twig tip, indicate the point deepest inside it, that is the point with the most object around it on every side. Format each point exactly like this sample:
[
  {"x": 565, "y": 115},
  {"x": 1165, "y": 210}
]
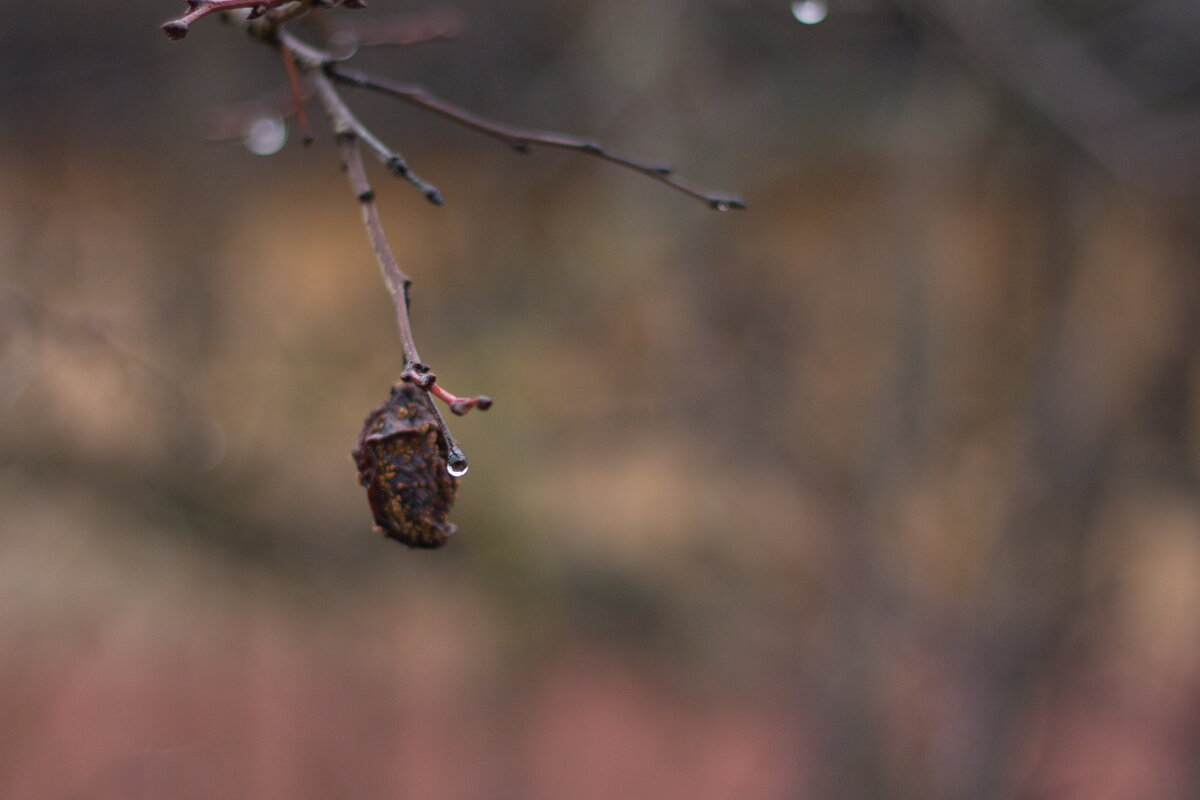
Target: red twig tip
[
  {"x": 460, "y": 405},
  {"x": 420, "y": 376}
]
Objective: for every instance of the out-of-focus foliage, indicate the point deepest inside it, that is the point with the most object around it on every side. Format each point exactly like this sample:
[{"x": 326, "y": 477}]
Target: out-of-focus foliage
[{"x": 883, "y": 489}]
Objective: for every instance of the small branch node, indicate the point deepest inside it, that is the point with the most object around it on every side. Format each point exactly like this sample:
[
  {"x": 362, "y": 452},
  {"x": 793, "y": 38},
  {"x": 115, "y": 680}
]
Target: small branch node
[
  {"x": 397, "y": 166},
  {"x": 419, "y": 375}
]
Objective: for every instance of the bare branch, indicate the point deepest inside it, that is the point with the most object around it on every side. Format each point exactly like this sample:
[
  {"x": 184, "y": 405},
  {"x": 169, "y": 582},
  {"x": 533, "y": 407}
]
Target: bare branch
[{"x": 522, "y": 139}]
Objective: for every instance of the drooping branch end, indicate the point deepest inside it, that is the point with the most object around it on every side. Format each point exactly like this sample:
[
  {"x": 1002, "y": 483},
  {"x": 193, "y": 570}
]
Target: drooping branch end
[
  {"x": 461, "y": 405},
  {"x": 421, "y": 376},
  {"x": 399, "y": 167}
]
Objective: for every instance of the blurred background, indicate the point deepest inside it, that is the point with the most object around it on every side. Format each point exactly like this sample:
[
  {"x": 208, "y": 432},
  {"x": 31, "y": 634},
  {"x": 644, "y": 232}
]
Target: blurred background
[{"x": 885, "y": 488}]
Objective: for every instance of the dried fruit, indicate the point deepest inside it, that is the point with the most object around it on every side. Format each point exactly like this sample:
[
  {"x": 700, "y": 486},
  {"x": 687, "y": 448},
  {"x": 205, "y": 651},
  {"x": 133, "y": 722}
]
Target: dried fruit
[{"x": 401, "y": 457}]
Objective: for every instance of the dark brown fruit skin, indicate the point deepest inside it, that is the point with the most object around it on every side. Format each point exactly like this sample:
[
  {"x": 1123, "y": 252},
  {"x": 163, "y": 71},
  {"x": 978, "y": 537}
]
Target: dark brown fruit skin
[{"x": 401, "y": 458}]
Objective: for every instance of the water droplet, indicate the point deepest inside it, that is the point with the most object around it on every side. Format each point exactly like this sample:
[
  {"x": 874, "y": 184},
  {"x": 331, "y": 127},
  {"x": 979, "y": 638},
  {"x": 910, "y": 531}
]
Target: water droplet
[
  {"x": 810, "y": 12},
  {"x": 456, "y": 462},
  {"x": 721, "y": 205},
  {"x": 266, "y": 136}
]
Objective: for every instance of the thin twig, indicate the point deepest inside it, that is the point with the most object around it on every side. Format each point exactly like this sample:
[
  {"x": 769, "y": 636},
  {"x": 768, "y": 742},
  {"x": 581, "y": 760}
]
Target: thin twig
[
  {"x": 520, "y": 139},
  {"x": 314, "y": 59},
  {"x": 344, "y": 117},
  {"x": 461, "y": 405},
  {"x": 349, "y": 136}
]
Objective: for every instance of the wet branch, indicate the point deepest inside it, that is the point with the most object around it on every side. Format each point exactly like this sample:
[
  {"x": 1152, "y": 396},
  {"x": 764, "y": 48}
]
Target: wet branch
[
  {"x": 523, "y": 139},
  {"x": 263, "y": 20},
  {"x": 520, "y": 139}
]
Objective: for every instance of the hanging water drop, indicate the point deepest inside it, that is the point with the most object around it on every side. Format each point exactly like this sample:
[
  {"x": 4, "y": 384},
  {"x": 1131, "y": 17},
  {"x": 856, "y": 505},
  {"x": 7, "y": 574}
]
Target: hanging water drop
[
  {"x": 810, "y": 12},
  {"x": 456, "y": 462},
  {"x": 265, "y": 136},
  {"x": 721, "y": 205}
]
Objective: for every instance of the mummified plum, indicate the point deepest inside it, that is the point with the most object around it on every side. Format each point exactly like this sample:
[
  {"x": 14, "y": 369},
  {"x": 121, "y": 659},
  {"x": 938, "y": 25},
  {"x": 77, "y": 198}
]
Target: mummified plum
[{"x": 401, "y": 457}]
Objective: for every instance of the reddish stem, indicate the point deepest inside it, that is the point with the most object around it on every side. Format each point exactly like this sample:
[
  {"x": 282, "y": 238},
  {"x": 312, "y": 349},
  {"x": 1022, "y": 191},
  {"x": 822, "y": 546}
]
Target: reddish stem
[
  {"x": 419, "y": 375},
  {"x": 289, "y": 65},
  {"x": 461, "y": 405}
]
